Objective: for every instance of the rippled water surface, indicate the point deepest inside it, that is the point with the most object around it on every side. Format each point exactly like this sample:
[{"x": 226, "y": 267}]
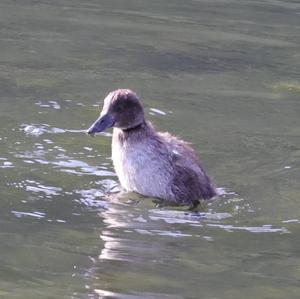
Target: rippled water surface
[{"x": 224, "y": 75}]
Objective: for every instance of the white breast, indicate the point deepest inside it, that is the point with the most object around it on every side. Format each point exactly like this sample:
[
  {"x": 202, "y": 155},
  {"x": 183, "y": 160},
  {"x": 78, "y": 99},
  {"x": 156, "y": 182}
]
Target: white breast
[{"x": 140, "y": 168}]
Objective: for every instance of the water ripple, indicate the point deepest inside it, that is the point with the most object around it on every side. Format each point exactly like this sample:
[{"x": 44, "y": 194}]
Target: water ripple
[
  {"x": 82, "y": 168},
  {"x": 291, "y": 221},
  {"x": 267, "y": 228},
  {"x": 135, "y": 295},
  {"x": 63, "y": 162},
  {"x": 48, "y": 104},
  {"x": 39, "y": 129},
  {"x": 36, "y": 187},
  {"x": 157, "y": 111},
  {"x": 170, "y": 216},
  {"x": 38, "y": 215},
  {"x": 5, "y": 163}
]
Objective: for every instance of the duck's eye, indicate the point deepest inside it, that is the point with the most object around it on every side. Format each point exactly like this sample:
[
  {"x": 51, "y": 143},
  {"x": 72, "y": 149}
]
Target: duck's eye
[{"x": 120, "y": 107}]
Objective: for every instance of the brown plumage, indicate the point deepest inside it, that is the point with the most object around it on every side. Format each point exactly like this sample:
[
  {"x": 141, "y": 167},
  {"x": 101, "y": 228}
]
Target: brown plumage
[{"x": 148, "y": 162}]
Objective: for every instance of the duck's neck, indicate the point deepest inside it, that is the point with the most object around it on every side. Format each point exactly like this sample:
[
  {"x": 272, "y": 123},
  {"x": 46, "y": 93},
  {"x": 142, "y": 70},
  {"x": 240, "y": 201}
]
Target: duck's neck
[
  {"x": 134, "y": 134},
  {"x": 133, "y": 129}
]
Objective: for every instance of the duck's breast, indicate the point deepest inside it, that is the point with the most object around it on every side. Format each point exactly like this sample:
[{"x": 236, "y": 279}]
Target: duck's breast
[{"x": 143, "y": 166}]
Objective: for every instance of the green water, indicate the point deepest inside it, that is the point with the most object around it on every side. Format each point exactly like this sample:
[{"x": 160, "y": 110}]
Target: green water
[{"x": 224, "y": 75}]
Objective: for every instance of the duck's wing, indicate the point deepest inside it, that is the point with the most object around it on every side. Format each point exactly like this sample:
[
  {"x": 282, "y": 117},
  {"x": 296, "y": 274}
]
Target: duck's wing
[{"x": 190, "y": 181}]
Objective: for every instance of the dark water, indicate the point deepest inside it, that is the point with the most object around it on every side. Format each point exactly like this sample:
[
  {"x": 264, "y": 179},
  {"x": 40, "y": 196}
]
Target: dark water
[{"x": 221, "y": 74}]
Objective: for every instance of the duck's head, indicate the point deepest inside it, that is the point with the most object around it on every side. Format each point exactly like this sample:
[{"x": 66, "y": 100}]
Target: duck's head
[{"x": 122, "y": 109}]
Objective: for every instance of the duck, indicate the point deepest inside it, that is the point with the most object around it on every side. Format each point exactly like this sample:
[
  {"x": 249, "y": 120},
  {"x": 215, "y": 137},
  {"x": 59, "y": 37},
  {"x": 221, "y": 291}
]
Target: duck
[{"x": 151, "y": 163}]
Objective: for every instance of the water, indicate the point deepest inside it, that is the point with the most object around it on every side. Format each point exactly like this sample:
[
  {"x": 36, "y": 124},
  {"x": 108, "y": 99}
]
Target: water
[{"x": 222, "y": 74}]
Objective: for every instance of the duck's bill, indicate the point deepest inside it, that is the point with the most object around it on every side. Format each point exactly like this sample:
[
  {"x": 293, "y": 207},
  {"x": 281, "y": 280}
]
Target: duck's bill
[{"x": 101, "y": 124}]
